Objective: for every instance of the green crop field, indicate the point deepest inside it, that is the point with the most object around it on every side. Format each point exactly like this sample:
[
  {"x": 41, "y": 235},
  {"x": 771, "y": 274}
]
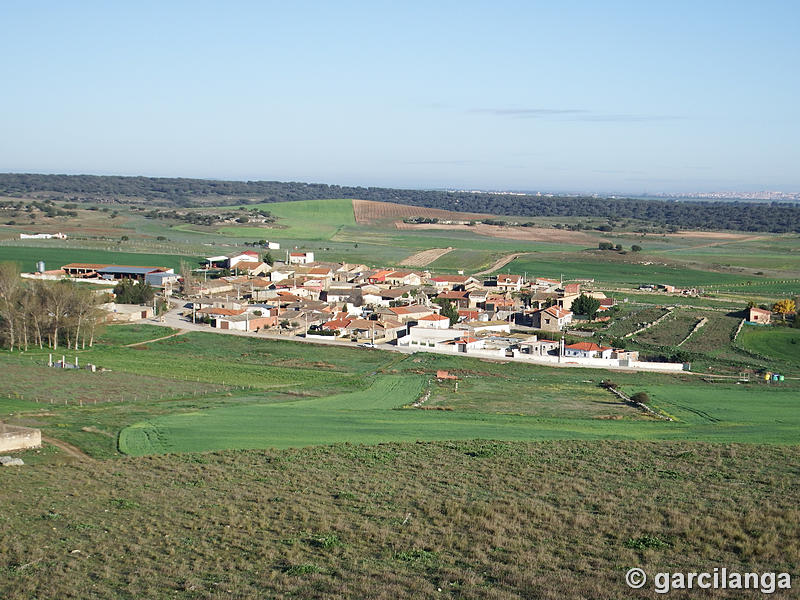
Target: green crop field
[
  {"x": 716, "y": 335},
  {"x": 745, "y": 411},
  {"x": 755, "y": 266},
  {"x": 304, "y": 219},
  {"x": 204, "y": 391},
  {"x": 777, "y": 343},
  {"x": 610, "y": 268},
  {"x": 722, "y": 303},
  {"x": 782, "y": 288},
  {"x": 27, "y": 256},
  {"x": 355, "y": 417},
  {"x": 298, "y": 424}
]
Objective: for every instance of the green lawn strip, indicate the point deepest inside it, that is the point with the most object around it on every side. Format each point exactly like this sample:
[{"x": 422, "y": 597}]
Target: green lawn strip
[
  {"x": 726, "y": 416},
  {"x": 54, "y": 258},
  {"x": 760, "y": 405},
  {"x": 781, "y": 344}
]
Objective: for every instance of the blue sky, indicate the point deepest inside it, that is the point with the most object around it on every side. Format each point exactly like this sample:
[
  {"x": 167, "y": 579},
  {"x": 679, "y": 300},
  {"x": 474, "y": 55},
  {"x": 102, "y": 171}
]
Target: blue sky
[{"x": 581, "y": 96}]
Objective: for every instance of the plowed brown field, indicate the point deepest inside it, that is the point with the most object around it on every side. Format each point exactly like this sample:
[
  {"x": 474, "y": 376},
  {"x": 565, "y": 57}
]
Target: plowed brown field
[
  {"x": 369, "y": 211},
  {"x": 531, "y": 234}
]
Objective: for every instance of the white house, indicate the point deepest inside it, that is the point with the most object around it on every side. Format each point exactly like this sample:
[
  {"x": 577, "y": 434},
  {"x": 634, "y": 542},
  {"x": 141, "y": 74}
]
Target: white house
[
  {"x": 427, "y": 336},
  {"x": 509, "y": 283},
  {"x": 301, "y": 258},
  {"x": 434, "y": 322},
  {"x": 245, "y": 257},
  {"x": 463, "y": 344},
  {"x": 587, "y": 350},
  {"x": 42, "y": 236},
  {"x": 280, "y": 274}
]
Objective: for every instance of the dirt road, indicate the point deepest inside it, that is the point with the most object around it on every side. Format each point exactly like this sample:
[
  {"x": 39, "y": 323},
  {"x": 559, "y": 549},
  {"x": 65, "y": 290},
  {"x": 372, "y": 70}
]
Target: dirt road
[
  {"x": 68, "y": 449},
  {"x": 166, "y": 337},
  {"x": 499, "y": 264}
]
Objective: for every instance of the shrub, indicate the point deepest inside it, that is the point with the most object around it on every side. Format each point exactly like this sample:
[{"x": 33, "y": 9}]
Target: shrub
[
  {"x": 328, "y": 541},
  {"x": 646, "y": 541},
  {"x": 304, "y": 569},
  {"x": 640, "y": 398}
]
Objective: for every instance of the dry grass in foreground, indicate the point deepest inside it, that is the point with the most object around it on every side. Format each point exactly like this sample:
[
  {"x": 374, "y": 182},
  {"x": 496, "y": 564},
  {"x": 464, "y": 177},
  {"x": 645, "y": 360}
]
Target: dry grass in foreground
[{"x": 435, "y": 520}]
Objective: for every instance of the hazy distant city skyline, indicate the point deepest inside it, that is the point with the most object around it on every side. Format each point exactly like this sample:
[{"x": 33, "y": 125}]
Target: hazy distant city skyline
[{"x": 618, "y": 97}]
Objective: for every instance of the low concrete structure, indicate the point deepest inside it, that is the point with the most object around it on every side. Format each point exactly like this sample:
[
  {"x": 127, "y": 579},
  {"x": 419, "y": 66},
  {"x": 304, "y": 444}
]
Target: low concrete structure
[
  {"x": 13, "y": 437},
  {"x": 127, "y": 313}
]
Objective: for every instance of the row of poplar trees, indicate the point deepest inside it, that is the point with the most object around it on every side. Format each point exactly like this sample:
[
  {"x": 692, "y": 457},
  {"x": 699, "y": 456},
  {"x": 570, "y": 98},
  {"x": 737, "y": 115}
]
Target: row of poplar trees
[{"x": 52, "y": 314}]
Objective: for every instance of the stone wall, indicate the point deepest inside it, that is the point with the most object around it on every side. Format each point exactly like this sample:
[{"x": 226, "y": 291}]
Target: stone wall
[{"x": 13, "y": 437}]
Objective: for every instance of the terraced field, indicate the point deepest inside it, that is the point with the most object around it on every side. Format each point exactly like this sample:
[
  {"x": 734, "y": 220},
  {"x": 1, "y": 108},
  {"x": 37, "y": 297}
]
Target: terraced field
[
  {"x": 633, "y": 320},
  {"x": 671, "y": 331}
]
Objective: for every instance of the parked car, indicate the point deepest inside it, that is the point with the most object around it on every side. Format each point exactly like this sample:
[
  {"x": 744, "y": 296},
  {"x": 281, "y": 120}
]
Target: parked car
[{"x": 367, "y": 345}]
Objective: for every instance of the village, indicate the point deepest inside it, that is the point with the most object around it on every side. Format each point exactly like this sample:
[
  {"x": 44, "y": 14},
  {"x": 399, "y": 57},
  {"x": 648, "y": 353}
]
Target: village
[{"x": 505, "y": 316}]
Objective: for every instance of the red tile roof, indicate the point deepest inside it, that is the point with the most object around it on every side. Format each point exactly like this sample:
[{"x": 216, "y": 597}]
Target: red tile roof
[
  {"x": 587, "y": 347},
  {"x": 434, "y": 318},
  {"x": 557, "y": 312},
  {"x": 509, "y": 278},
  {"x": 337, "y": 324}
]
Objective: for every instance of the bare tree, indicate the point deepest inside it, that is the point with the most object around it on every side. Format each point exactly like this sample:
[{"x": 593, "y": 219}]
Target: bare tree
[
  {"x": 9, "y": 299},
  {"x": 31, "y": 312}
]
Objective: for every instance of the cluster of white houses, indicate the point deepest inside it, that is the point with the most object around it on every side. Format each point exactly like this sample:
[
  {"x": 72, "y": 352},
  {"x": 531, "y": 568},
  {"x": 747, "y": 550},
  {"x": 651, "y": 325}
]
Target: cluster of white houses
[
  {"x": 302, "y": 296},
  {"x": 403, "y": 307}
]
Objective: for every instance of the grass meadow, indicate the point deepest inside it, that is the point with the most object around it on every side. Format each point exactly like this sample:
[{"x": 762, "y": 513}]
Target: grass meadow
[
  {"x": 203, "y": 391},
  {"x": 27, "y": 256},
  {"x": 780, "y": 344},
  {"x": 304, "y": 219},
  {"x": 459, "y": 519},
  {"x": 609, "y": 267}
]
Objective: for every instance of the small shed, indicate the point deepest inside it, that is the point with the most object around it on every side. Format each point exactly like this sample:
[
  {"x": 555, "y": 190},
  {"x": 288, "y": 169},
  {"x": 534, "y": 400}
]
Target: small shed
[{"x": 759, "y": 315}]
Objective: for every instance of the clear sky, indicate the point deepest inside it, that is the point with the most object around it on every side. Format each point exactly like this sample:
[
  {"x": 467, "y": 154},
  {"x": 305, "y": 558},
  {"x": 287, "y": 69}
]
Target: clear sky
[{"x": 569, "y": 96}]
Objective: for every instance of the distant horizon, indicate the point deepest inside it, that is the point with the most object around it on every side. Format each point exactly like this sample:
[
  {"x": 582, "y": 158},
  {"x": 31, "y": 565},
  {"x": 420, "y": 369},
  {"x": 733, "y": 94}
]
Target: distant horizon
[{"x": 731, "y": 193}]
